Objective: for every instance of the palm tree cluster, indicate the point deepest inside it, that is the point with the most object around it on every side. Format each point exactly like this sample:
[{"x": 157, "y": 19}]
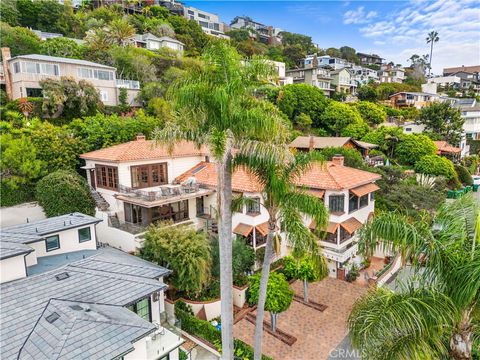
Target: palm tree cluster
[
  {"x": 215, "y": 104},
  {"x": 436, "y": 313}
]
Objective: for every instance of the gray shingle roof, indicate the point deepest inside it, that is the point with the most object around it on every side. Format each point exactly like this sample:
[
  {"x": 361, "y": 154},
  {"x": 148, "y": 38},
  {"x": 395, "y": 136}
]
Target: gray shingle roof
[
  {"x": 61, "y": 60},
  {"x": 110, "y": 279},
  {"x": 10, "y": 249},
  {"x": 104, "y": 331},
  {"x": 47, "y": 226}
]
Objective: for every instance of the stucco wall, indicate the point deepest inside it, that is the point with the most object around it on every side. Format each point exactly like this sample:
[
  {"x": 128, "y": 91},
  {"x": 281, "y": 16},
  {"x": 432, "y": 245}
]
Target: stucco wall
[{"x": 12, "y": 268}]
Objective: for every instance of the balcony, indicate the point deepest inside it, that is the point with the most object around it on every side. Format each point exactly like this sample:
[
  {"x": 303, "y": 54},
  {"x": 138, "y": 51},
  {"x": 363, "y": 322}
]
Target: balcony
[
  {"x": 163, "y": 340},
  {"x": 128, "y": 84},
  {"x": 340, "y": 255},
  {"x": 160, "y": 195}
]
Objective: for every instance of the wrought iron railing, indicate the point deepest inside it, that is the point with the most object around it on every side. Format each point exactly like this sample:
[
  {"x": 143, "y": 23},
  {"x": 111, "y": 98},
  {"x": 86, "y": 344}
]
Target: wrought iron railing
[{"x": 163, "y": 192}]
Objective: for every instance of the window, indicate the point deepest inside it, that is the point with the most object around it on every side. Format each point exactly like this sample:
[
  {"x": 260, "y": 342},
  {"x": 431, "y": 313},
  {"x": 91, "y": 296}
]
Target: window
[
  {"x": 190, "y": 12},
  {"x": 49, "y": 69},
  {"x": 364, "y": 201},
  {"x": 253, "y": 206},
  {"x": 103, "y": 75},
  {"x": 203, "y": 24},
  {"x": 353, "y": 203},
  {"x": 135, "y": 214},
  {"x": 31, "y": 92},
  {"x": 85, "y": 73},
  {"x": 149, "y": 175},
  {"x": 142, "y": 309},
  {"x": 103, "y": 95},
  {"x": 107, "y": 177},
  {"x": 31, "y": 67},
  {"x": 372, "y": 196},
  {"x": 203, "y": 16},
  {"x": 175, "y": 212},
  {"x": 52, "y": 243},
  {"x": 336, "y": 203},
  {"x": 84, "y": 234},
  {"x": 200, "y": 206},
  {"x": 16, "y": 67}
]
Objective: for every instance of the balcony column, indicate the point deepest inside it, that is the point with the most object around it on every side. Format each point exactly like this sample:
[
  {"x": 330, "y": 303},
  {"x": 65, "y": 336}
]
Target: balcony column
[{"x": 338, "y": 236}]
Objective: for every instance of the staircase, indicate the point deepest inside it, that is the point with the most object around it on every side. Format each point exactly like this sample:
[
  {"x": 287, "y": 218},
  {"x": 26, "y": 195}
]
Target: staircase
[
  {"x": 100, "y": 202},
  {"x": 114, "y": 222}
]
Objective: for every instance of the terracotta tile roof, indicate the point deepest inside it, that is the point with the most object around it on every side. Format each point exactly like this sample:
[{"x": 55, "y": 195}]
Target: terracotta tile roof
[
  {"x": 445, "y": 147},
  {"x": 365, "y": 189},
  {"x": 332, "y": 176},
  {"x": 243, "y": 229},
  {"x": 262, "y": 228},
  {"x": 206, "y": 174},
  {"x": 317, "y": 193},
  {"x": 351, "y": 225},
  {"x": 142, "y": 149},
  {"x": 331, "y": 227},
  {"x": 322, "y": 142}
]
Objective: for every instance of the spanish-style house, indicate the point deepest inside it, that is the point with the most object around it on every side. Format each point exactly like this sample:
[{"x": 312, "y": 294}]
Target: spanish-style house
[
  {"x": 22, "y": 246},
  {"x": 22, "y": 76},
  {"x": 136, "y": 182},
  {"x": 152, "y": 42}
]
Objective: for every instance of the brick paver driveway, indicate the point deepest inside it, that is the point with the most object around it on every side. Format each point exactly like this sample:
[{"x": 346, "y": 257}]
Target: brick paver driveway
[{"x": 317, "y": 332}]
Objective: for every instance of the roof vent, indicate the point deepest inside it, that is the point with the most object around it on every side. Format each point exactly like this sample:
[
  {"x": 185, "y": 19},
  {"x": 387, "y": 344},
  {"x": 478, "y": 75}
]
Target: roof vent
[
  {"x": 76, "y": 307},
  {"x": 140, "y": 137},
  {"x": 62, "y": 276},
  {"x": 52, "y": 317}
]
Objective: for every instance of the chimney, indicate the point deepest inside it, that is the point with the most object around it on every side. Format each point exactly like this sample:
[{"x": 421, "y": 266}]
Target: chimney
[
  {"x": 311, "y": 143},
  {"x": 6, "y": 56},
  {"x": 338, "y": 159},
  {"x": 140, "y": 137}
]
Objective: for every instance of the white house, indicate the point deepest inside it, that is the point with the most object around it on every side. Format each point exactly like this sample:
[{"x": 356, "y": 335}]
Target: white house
[
  {"x": 209, "y": 22},
  {"x": 89, "y": 304},
  {"x": 343, "y": 81},
  {"x": 152, "y": 42},
  {"x": 21, "y": 246}
]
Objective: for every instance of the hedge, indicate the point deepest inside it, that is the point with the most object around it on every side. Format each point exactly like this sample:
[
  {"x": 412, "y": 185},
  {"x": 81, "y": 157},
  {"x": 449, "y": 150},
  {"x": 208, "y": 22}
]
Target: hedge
[
  {"x": 464, "y": 175},
  {"x": 63, "y": 192},
  {"x": 203, "y": 329},
  {"x": 11, "y": 197}
]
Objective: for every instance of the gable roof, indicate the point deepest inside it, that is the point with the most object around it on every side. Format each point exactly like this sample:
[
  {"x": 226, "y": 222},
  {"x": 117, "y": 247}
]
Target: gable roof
[
  {"x": 150, "y": 36},
  {"x": 34, "y": 231},
  {"x": 469, "y": 69},
  {"x": 11, "y": 249},
  {"x": 445, "y": 147},
  {"x": 323, "y": 142},
  {"x": 142, "y": 149},
  {"x": 105, "y": 331},
  {"x": 105, "y": 279},
  {"x": 61, "y": 60},
  {"x": 329, "y": 176}
]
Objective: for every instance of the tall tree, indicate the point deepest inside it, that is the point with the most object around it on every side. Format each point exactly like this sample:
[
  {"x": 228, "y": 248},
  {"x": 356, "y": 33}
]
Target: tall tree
[
  {"x": 121, "y": 32},
  {"x": 434, "y": 316},
  {"x": 443, "y": 120},
  {"x": 286, "y": 203},
  {"x": 432, "y": 38},
  {"x": 215, "y": 106}
]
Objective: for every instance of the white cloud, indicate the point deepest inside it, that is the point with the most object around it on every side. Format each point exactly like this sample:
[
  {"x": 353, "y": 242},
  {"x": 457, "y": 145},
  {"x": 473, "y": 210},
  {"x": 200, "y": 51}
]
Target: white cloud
[
  {"x": 456, "y": 21},
  {"x": 358, "y": 16}
]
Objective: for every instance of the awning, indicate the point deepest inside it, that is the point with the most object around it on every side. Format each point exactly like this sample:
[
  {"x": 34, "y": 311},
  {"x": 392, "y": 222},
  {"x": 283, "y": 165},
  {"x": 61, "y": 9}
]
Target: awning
[
  {"x": 331, "y": 227},
  {"x": 262, "y": 228},
  {"x": 365, "y": 189},
  {"x": 316, "y": 193},
  {"x": 351, "y": 225},
  {"x": 243, "y": 229}
]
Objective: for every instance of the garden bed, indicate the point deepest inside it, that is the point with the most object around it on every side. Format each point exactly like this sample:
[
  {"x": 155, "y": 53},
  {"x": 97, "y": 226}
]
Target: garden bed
[
  {"x": 310, "y": 303},
  {"x": 278, "y": 334}
]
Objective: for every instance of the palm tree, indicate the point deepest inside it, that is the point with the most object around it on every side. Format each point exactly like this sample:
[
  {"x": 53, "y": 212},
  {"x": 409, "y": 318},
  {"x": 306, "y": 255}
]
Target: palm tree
[
  {"x": 121, "y": 32},
  {"x": 214, "y": 105},
  {"x": 286, "y": 203},
  {"x": 98, "y": 39},
  {"x": 431, "y": 38},
  {"x": 436, "y": 314}
]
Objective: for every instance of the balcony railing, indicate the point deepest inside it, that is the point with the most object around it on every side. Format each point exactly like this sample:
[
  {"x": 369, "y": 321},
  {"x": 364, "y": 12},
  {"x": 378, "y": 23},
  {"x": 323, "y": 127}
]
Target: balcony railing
[
  {"x": 128, "y": 84},
  {"x": 163, "y": 192}
]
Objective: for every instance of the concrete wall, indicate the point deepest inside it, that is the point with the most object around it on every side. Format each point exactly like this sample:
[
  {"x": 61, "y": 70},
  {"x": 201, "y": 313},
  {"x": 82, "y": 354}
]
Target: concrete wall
[
  {"x": 12, "y": 268},
  {"x": 239, "y": 296}
]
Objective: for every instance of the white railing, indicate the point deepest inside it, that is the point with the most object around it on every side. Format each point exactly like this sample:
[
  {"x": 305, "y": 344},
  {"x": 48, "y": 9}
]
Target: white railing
[{"x": 128, "y": 84}]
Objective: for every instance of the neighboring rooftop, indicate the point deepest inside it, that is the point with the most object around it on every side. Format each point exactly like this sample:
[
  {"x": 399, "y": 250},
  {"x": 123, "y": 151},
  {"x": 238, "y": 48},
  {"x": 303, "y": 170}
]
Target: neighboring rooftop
[
  {"x": 141, "y": 149},
  {"x": 471, "y": 69},
  {"x": 445, "y": 147},
  {"x": 414, "y": 93},
  {"x": 11, "y": 249},
  {"x": 322, "y": 142},
  {"x": 104, "y": 331},
  {"x": 147, "y": 36},
  {"x": 61, "y": 60},
  {"x": 33, "y": 231},
  {"x": 109, "y": 277}
]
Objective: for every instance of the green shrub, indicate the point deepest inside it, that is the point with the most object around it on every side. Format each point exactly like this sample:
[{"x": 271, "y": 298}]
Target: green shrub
[
  {"x": 352, "y": 157},
  {"x": 63, "y": 192},
  {"x": 413, "y": 147},
  {"x": 463, "y": 175},
  {"x": 12, "y": 196},
  {"x": 435, "y": 165}
]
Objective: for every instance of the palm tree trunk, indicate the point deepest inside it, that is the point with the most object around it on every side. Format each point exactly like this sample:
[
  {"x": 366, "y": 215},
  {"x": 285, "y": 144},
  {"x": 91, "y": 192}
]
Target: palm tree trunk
[
  {"x": 461, "y": 340},
  {"x": 224, "y": 202},
  {"x": 305, "y": 291},
  {"x": 431, "y": 52},
  {"x": 262, "y": 296}
]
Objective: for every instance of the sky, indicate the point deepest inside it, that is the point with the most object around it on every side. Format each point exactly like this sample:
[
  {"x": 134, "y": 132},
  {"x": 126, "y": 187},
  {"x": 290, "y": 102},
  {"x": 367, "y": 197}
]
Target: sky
[{"x": 395, "y": 30}]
